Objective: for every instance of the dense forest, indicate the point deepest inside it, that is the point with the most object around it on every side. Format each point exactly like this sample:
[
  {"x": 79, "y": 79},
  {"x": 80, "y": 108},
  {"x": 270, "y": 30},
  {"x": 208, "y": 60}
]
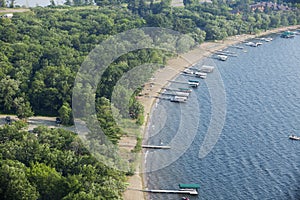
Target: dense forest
[
  {"x": 52, "y": 164},
  {"x": 41, "y": 52}
]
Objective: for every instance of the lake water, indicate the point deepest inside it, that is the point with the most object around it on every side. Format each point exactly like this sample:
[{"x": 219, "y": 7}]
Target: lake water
[{"x": 253, "y": 158}]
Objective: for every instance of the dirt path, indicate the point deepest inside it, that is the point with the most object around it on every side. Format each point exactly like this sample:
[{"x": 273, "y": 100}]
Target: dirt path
[{"x": 13, "y": 10}]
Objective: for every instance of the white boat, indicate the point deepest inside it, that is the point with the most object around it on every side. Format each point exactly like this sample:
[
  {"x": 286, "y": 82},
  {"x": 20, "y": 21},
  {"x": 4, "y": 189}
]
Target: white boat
[
  {"x": 200, "y": 73},
  {"x": 269, "y": 39},
  {"x": 182, "y": 94},
  {"x": 188, "y": 71},
  {"x": 252, "y": 44},
  {"x": 293, "y": 137},
  {"x": 193, "y": 84},
  {"x": 178, "y": 99},
  {"x": 222, "y": 57}
]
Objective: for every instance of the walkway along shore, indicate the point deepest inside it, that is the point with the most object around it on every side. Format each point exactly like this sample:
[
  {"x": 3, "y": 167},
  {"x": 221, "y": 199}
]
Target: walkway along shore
[{"x": 161, "y": 78}]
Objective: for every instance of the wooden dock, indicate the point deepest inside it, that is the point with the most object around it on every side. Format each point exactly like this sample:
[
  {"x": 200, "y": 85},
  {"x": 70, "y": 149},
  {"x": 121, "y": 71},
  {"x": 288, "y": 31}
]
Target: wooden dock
[
  {"x": 181, "y": 82},
  {"x": 190, "y": 192},
  {"x": 155, "y": 146}
]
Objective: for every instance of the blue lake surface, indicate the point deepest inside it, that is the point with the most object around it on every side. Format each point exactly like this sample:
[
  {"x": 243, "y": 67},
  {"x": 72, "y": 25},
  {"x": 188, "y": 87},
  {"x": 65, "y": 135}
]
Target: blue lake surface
[{"x": 253, "y": 157}]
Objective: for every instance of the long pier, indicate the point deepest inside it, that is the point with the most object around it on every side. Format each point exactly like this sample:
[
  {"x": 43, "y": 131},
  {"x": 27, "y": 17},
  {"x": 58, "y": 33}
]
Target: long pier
[
  {"x": 227, "y": 53},
  {"x": 181, "y": 82},
  {"x": 155, "y": 146},
  {"x": 191, "y": 192}
]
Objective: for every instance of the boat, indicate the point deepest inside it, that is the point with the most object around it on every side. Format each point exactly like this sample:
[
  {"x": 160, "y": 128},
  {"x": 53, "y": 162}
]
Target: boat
[
  {"x": 268, "y": 39},
  {"x": 222, "y": 57},
  {"x": 252, "y": 44},
  {"x": 188, "y": 71},
  {"x": 287, "y": 34},
  {"x": 182, "y": 94},
  {"x": 200, "y": 74},
  {"x": 193, "y": 81},
  {"x": 184, "y": 198},
  {"x": 193, "y": 84},
  {"x": 178, "y": 99},
  {"x": 294, "y": 137}
]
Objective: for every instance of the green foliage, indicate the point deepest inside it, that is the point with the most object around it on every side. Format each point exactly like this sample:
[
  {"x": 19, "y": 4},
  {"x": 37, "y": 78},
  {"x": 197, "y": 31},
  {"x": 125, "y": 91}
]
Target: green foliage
[
  {"x": 49, "y": 183},
  {"x": 65, "y": 114},
  {"x": 42, "y": 50},
  {"x": 3, "y": 3},
  {"x": 138, "y": 146},
  {"x": 8, "y": 90},
  {"x": 52, "y": 164},
  {"x": 107, "y": 120},
  {"x": 23, "y": 108},
  {"x": 14, "y": 182}
]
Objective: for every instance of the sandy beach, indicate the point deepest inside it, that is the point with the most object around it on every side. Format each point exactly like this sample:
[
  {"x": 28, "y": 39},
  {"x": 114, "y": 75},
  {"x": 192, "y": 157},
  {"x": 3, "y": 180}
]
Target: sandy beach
[{"x": 161, "y": 78}]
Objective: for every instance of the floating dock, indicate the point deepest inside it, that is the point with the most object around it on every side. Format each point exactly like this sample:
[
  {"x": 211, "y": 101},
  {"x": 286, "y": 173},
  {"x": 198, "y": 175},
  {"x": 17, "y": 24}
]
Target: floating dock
[
  {"x": 186, "y": 90},
  {"x": 227, "y": 53},
  {"x": 237, "y": 47},
  {"x": 191, "y": 192},
  {"x": 181, "y": 82},
  {"x": 155, "y": 146}
]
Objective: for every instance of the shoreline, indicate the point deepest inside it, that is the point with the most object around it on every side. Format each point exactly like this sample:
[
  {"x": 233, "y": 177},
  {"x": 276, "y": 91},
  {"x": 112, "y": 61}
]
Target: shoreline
[{"x": 160, "y": 79}]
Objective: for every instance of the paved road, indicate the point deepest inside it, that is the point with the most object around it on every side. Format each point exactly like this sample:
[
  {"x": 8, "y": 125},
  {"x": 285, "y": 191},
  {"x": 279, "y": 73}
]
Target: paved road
[{"x": 36, "y": 121}]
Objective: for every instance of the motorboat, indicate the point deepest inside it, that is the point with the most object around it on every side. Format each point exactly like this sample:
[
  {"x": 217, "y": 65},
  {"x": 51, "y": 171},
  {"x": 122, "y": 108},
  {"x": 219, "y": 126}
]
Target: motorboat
[
  {"x": 222, "y": 57},
  {"x": 294, "y": 137}
]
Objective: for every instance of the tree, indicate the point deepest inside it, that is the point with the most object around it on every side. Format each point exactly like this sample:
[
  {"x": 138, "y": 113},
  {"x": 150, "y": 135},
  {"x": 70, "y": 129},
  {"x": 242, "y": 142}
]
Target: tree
[
  {"x": 65, "y": 114},
  {"x": 23, "y": 108},
  {"x": 52, "y": 2},
  {"x": 2, "y": 3},
  {"x": 14, "y": 182},
  {"x": 275, "y": 21},
  {"x": 12, "y": 4},
  {"x": 68, "y": 2},
  {"x": 8, "y": 90},
  {"x": 49, "y": 183}
]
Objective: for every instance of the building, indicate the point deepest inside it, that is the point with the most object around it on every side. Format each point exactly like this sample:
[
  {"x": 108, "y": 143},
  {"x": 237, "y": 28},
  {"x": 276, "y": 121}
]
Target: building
[{"x": 261, "y": 6}]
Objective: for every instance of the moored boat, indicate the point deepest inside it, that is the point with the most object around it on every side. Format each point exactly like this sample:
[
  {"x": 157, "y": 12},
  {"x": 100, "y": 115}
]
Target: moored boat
[
  {"x": 178, "y": 99},
  {"x": 182, "y": 94},
  {"x": 193, "y": 84},
  {"x": 188, "y": 71},
  {"x": 222, "y": 57},
  {"x": 294, "y": 137},
  {"x": 201, "y": 75},
  {"x": 287, "y": 34},
  {"x": 253, "y": 44}
]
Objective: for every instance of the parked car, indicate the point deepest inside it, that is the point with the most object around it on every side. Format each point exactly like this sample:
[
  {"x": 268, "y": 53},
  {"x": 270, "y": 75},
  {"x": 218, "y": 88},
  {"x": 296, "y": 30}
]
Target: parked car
[
  {"x": 58, "y": 120},
  {"x": 8, "y": 119}
]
